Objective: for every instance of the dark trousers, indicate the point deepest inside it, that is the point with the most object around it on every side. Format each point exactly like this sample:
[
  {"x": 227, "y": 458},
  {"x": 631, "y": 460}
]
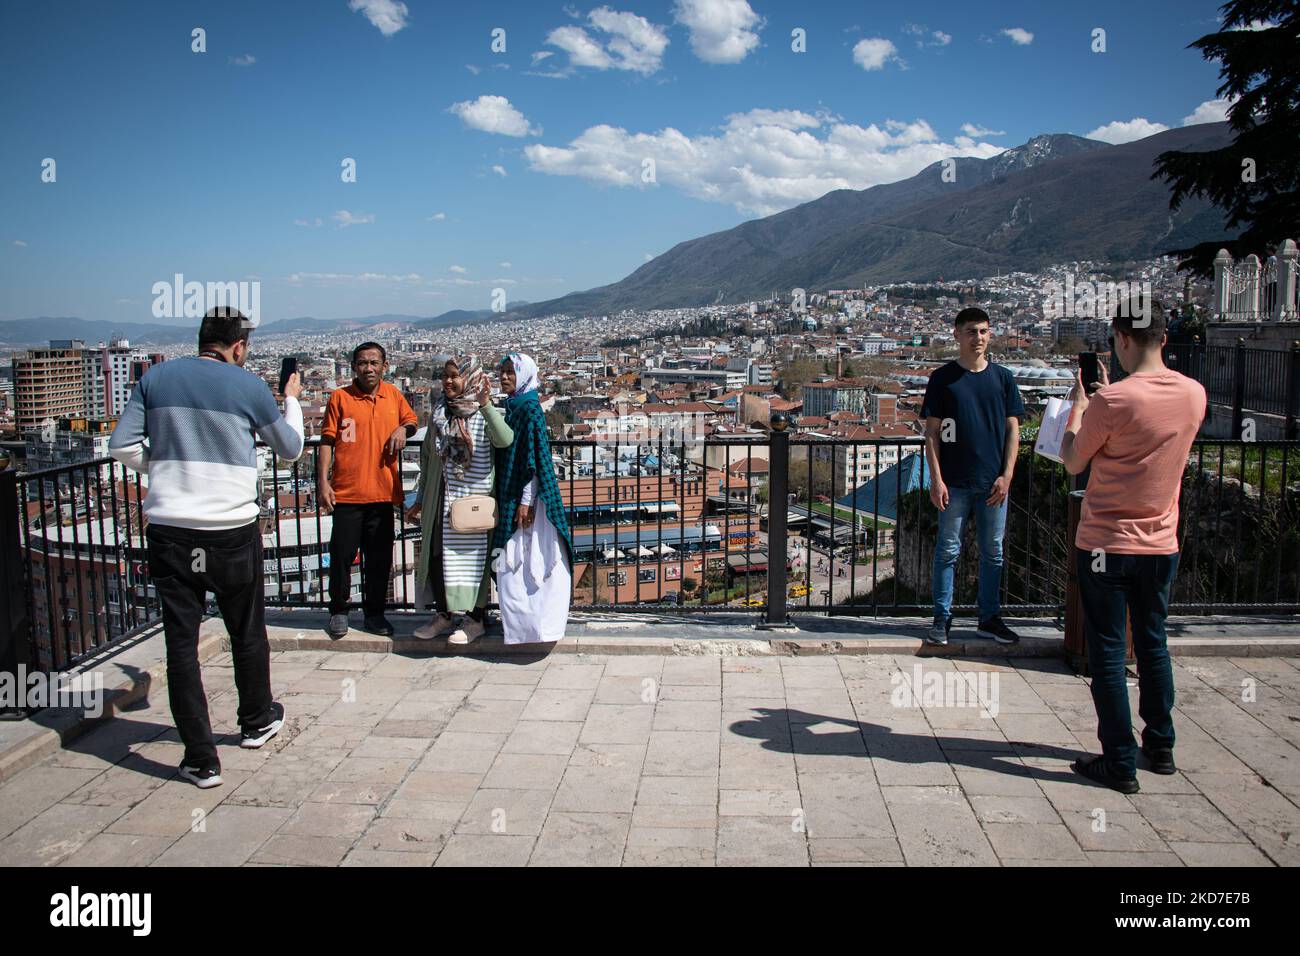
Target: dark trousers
[
  {"x": 370, "y": 528},
  {"x": 1136, "y": 584},
  {"x": 184, "y": 566}
]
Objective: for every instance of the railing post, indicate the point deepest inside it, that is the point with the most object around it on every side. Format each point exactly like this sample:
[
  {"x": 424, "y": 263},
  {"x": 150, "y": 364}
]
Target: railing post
[
  {"x": 1238, "y": 385},
  {"x": 1288, "y": 257},
  {"x": 15, "y": 627},
  {"x": 1222, "y": 285},
  {"x": 778, "y": 482}
]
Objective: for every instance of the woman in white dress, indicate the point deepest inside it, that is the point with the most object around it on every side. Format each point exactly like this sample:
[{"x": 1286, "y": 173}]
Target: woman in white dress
[
  {"x": 456, "y": 459},
  {"x": 532, "y": 548}
]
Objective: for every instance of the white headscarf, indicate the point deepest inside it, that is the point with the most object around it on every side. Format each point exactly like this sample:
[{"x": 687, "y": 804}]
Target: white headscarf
[{"x": 525, "y": 373}]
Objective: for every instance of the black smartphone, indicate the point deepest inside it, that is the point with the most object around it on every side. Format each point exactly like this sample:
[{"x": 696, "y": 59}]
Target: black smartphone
[
  {"x": 1089, "y": 370},
  {"x": 288, "y": 366}
]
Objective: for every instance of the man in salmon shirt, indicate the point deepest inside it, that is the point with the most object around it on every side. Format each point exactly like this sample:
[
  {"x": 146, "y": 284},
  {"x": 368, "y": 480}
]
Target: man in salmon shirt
[
  {"x": 366, "y": 427},
  {"x": 1136, "y": 435}
]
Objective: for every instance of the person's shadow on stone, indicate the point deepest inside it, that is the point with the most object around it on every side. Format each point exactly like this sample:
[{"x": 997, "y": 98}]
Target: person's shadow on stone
[{"x": 789, "y": 731}]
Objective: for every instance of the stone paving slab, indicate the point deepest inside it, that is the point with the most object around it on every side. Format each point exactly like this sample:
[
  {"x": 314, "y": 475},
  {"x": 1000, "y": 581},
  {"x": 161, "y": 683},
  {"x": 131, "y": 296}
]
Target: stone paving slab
[{"x": 645, "y": 760}]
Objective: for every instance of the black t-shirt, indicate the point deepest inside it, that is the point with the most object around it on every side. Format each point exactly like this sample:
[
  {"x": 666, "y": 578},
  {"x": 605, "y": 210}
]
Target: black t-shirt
[{"x": 978, "y": 405}]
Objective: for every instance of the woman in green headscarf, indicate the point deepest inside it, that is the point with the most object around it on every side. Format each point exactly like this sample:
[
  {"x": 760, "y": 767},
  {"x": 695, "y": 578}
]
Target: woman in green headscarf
[{"x": 532, "y": 547}]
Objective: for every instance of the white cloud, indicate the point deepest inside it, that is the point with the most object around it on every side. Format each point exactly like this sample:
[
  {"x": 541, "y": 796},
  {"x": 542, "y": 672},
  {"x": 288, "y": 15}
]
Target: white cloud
[
  {"x": 1211, "y": 111},
  {"x": 874, "y": 52},
  {"x": 500, "y": 170},
  {"x": 460, "y": 270},
  {"x": 721, "y": 31},
  {"x": 541, "y": 55},
  {"x": 937, "y": 37},
  {"x": 476, "y": 70},
  {"x": 504, "y": 265},
  {"x": 630, "y": 42},
  {"x": 299, "y": 277},
  {"x": 244, "y": 59},
  {"x": 493, "y": 114},
  {"x": 647, "y": 255},
  {"x": 437, "y": 217},
  {"x": 759, "y": 162},
  {"x": 1019, "y": 35},
  {"x": 1255, "y": 25},
  {"x": 1125, "y": 132},
  {"x": 582, "y": 49},
  {"x": 308, "y": 222},
  {"x": 20, "y": 243},
  {"x": 345, "y": 218},
  {"x": 636, "y": 43},
  {"x": 977, "y": 131},
  {"x": 388, "y": 15}
]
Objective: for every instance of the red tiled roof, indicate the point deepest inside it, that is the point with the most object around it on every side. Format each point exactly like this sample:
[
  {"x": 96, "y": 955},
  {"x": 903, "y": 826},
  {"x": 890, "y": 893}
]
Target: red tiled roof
[{"x": 671, "y": 409}]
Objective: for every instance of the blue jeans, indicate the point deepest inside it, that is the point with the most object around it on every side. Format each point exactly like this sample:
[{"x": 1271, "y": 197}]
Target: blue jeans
[
  {"x": 1136, "y": 584},
  {"x": 990, "y": 522}
]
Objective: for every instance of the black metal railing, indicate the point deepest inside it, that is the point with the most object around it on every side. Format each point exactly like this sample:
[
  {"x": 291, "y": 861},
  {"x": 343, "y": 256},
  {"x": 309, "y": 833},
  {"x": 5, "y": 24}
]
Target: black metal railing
[
  {"x": 1263, "y": 381},
  {"x": 767, "y": 525}
]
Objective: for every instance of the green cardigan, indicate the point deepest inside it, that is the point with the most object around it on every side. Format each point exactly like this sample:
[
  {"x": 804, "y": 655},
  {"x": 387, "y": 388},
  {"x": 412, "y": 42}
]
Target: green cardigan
[{"x": 499, "y": 433}]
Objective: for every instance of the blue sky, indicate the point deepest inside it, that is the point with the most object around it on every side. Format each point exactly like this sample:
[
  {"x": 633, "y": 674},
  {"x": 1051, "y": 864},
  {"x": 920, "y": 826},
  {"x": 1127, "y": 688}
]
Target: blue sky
[{"x": 477, "y": 169}]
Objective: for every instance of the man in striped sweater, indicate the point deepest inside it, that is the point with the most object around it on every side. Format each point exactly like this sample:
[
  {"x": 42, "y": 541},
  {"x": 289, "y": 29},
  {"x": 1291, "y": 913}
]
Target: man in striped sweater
[{"x": 190, "y": 426}]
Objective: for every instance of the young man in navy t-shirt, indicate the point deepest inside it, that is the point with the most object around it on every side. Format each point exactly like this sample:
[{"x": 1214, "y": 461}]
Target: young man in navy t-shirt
[{"x": 972, "y": 412}]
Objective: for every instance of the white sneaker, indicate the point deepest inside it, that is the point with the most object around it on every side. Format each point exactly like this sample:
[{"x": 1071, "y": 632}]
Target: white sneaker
[
  {"x": 468, "y": 632},
  {"x": 441, "y": 624}
]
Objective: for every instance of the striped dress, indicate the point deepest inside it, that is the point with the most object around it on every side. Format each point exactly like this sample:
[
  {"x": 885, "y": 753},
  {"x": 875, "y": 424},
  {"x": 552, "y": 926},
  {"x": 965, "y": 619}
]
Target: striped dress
[{"x": 464, "y": 555}]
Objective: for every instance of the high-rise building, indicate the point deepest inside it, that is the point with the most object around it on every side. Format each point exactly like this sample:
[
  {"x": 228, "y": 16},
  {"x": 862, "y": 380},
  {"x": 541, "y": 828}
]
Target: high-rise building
[
  {"x": 838, "y": 395},
  {"x": 110, "y": 372},
  {"x": 50, "y": 384},
  {"x": 118, "y": 368}
]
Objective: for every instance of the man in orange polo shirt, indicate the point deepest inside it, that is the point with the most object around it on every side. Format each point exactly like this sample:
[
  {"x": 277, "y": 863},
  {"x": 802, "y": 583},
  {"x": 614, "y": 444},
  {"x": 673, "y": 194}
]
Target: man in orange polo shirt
[{"x": 366, "y": 427}]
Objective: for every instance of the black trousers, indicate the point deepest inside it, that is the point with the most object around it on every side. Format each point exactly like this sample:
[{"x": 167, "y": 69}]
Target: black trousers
[
  {"x": 368, "y": 527},
  {"x": 1135, "y": 586},
  {"x": 184, "y": 566}
]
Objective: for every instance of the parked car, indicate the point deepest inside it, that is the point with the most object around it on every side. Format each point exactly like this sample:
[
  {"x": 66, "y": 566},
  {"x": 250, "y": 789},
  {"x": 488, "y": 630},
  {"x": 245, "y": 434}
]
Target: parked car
[{"x": 799, "y": 590}]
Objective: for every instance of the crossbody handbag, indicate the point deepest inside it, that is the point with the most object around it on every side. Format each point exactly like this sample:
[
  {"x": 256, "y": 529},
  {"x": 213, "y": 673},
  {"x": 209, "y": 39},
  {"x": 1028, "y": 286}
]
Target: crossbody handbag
[{"x": 473, "y": 513}]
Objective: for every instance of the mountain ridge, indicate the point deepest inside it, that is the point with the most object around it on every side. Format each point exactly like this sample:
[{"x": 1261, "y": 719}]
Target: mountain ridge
[{"x": 1021, "y": 209}]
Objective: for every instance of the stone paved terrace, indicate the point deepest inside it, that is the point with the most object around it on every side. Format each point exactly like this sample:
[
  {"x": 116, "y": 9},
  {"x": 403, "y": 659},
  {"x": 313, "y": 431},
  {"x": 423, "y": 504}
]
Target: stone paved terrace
[{"x": 618, "y": 759}]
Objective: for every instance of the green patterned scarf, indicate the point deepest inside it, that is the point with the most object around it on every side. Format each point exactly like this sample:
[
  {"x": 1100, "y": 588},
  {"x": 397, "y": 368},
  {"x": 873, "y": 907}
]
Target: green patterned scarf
[{"x": 527, "y": 458}]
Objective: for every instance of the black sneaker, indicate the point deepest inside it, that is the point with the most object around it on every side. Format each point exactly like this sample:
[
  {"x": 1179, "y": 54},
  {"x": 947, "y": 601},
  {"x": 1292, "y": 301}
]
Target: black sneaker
[
  {"x": 1094, "y": 768},
  {"x": 252, "y": 739},
  {"x": 1161, "y": 760},
  {"x": 937, "y": 635},
  {"x": 995, "y": 629},
  {"x": 378, "y": 625},
  {"x": 202, "y": 777}
]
